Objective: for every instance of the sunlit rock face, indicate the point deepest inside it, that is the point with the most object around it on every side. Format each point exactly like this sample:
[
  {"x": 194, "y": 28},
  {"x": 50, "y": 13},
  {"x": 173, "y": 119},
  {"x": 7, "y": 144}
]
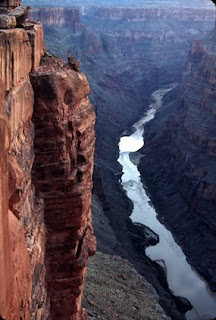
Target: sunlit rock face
[
  {"x": 64, "y": 147},
  {"x": 182, "y": 140},
  {"x": 26, "y": 241},
  {"x": 22, "y": 293}
]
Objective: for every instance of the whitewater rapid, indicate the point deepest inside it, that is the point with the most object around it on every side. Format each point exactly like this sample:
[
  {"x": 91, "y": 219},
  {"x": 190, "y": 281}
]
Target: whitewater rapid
[{"x": 182, "y": 279}]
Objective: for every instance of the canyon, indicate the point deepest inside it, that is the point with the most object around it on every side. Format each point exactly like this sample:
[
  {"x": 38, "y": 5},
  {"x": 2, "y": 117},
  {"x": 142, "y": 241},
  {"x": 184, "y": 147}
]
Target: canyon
[
  {"x": 47, "y": 147},
  {"x": 128, "y": 53},
  {"x": 187, "y": 124}
]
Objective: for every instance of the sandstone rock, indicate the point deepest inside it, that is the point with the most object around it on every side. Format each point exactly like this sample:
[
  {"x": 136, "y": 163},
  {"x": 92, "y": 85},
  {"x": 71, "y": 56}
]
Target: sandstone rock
[
  {"x": 20, "y": 14},
  {"x": 19, "y": 107},
  {"x": 57, "y": 16},
  {"x": 7, "y": 22},
  {"x": 74, "y": 64},
  {"x": 10, "y": 3},
  {"x": 15, "y": 290},
  {"x": 23, "y": 292},
  {"x": 15, "y": 56},
  {"x": 64, "y": 145},
  {"x": 36, "y": 39},
  {"x": 22, "y": 239}
]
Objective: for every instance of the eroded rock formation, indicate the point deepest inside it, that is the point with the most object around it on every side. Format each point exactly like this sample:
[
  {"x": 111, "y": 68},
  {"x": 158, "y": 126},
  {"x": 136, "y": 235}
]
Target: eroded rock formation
[
  {"x": 179, "y": 163},
  {"x": 64, "y": 143},
  {"x": 22, "y": 227},
  {"x": 59, "y": 17},
  {"x": 42, "y": 262}
]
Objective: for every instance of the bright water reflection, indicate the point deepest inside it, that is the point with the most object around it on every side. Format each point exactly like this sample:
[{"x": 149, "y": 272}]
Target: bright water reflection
[{"x": 182, "y": 279}]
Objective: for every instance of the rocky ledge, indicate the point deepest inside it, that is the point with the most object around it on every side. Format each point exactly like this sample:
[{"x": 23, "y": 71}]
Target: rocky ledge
[{"x": 115, "y": 290}]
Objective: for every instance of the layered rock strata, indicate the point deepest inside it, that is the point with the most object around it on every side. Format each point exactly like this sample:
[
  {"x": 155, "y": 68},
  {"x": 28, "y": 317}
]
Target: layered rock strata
[
  {"x": 36, "y": 269},
  {"x": 58, "y": 17},
  {"x": 64, "y": 144},
  {"x": 180, "y": 157},
  {"x": 143, "y": 14},
  {"x": 22, "y": 292}
]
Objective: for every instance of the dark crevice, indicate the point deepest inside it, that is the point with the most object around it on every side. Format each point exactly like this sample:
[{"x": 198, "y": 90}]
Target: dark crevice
[{"x": 79, "y": 247}]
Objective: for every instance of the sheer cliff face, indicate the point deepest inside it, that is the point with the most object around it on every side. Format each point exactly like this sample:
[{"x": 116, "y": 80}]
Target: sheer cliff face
[
  {"x": 180, "y": 155},
  {"x": 22, "y": 227},
  {"x": 64, "y": 145},
  {"x": 29, "y": 235},
  {"x": 57, "y": 17}
]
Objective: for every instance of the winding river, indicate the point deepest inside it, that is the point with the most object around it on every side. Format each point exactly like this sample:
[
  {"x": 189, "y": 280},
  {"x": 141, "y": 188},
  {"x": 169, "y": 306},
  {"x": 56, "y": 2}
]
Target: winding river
[{"x": 182, "y": 279}]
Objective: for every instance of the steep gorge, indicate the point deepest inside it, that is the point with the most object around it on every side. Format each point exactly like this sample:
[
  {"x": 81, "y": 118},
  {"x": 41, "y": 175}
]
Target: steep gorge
[
  {"x": 46, "y": 154},
  {"x": 119, "y": 48},
  {"x": 115, "y": 60},
  {"x": 180, "y": 156}
]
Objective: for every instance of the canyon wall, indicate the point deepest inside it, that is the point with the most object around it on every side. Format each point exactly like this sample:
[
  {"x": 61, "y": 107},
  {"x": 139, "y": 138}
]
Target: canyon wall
[
  {"x": 125, "y": 3},
  {"x": 59, "y": 17},
  {"x": 44, "y": 213},
  {"x": 179, "y": 162},
  {"x": 143, "y": 14}
]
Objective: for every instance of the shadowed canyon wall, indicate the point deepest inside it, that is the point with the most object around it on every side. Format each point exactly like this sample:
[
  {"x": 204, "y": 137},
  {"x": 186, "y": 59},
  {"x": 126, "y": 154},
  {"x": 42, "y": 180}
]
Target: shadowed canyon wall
[
  {"x": 180, "y": 156},
  {"x": 44, "y": 212}
]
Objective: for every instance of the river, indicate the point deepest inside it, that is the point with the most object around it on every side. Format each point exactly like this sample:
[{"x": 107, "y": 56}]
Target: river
[{"x": 182, "y": 279}]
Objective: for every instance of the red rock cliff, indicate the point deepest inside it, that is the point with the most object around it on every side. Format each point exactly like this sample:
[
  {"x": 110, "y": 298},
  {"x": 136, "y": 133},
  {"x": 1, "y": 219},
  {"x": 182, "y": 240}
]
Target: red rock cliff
[
  {"x": 64, "y": 143},
  {"x": 42, "y": 265}
]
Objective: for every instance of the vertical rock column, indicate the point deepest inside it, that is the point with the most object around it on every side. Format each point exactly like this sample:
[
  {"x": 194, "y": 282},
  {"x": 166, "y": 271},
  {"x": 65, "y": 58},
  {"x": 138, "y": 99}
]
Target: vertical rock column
[
  {"x": 64, "y": 146},
  {"x": 22, "y": 232}
]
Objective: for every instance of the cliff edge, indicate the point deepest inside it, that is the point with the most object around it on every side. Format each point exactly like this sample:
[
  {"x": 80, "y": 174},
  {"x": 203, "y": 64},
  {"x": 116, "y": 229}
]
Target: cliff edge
[{"x": 46, "y": 162}]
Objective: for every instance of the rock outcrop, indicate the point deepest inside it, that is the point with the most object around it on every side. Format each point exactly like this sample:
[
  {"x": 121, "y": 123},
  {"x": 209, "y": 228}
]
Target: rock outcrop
[
  {"x": 46, "y": 234},
  {"x": 22, "y": 292},
  {"x": 64, "y": 144}
]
